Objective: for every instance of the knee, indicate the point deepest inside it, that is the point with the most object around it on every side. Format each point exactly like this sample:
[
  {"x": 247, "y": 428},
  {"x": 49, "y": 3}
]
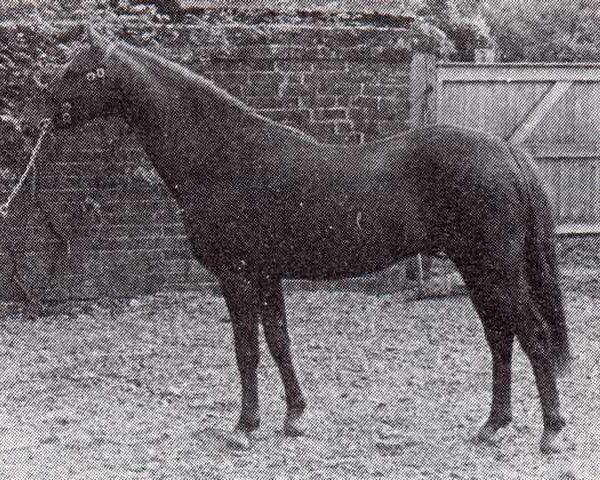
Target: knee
[
  {"x": 277, "y": 338},
  {"x": 280, "y": 350},
  {"x": 251, "y": 360},
  {"x": 247, "y": 359},
  {"x": 535, "y": 345}
]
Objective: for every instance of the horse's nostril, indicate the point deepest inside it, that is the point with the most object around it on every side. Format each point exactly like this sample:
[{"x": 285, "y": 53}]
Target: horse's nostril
[
  {"x": 66, "y": 117},
  {"x": 28, "y": 129}
]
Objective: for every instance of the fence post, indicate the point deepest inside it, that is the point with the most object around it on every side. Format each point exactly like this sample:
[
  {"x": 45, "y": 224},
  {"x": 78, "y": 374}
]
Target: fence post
[
  {"x": 423, "y": 96},
  {"x": 423, "y": 89}
]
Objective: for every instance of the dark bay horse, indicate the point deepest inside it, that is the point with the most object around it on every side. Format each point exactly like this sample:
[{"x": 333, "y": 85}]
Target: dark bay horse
[{"x": 262, "y": 202}]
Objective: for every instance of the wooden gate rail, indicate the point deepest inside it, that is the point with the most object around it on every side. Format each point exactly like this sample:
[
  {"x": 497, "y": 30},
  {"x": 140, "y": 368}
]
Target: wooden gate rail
[{"x": 515, "y": 72}]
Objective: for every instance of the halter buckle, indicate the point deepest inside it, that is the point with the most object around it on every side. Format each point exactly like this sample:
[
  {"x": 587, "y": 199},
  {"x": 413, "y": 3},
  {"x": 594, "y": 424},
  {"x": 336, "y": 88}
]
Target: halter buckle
[{"x": 44, "y": 123}]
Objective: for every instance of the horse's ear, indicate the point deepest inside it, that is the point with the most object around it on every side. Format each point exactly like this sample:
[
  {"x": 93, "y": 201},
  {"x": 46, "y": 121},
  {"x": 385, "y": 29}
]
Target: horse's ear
[
  {"x": 96, "y": 40},
  {"x": 72, "y": 34}
]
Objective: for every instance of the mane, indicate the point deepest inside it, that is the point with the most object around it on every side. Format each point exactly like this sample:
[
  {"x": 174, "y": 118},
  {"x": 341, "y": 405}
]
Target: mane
[{"x": 167, "y": 69}]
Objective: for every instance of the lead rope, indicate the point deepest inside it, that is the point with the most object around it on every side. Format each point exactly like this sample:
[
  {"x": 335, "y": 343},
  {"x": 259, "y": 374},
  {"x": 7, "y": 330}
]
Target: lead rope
[
  {"x": 5, "y": 207},
  {"x": 33, "y": 304}
]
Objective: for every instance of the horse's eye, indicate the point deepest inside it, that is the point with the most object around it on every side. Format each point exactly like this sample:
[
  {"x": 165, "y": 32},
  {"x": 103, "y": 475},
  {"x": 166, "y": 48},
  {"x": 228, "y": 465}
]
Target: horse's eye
[
  {"x": 100, "y": 73},
  {"x": 91, "y": 76}
]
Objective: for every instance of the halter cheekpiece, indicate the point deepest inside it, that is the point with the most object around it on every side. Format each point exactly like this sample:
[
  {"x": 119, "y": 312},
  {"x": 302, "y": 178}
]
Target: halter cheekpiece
[{"x": 91, "y": 76}]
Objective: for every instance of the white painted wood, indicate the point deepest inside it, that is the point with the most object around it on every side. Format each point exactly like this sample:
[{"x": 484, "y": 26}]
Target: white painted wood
[
  {"x": 537, "y": 113},
  {"x": 577, "y": 230},
  {"x": 557, "y": 151},
  {"x": 504, "y": 72}
]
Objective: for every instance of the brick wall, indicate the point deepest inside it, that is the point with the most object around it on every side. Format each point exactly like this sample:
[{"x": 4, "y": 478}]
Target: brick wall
[{"x": 101, "y": 195}]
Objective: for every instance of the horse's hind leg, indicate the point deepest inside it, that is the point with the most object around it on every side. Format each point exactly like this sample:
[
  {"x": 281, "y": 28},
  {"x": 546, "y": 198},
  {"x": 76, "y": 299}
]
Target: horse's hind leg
[
  {"x": 501, "y": 296},
  {"x": 499, "y": 333},
  {"x": 545, "y": 379},
  {"x": 501, "y": 343},
  {"x": 272, "y": 310}
]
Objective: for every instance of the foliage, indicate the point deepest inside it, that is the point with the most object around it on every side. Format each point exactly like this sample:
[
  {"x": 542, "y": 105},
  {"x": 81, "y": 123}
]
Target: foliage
[
  {"x": 443, "y": 22},
  {"x": 546, "y": 30},
  {"x": 522, "y": 30},
  {"x": 426, "y": 37},
  {"x": 463, "y": 25},
  {"x": 23, "y": 49}
]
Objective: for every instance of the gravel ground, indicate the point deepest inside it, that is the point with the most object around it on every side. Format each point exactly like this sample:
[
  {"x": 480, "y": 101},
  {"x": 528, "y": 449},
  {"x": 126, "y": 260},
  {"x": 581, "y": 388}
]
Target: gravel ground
[{"x": 147, "y": 389}]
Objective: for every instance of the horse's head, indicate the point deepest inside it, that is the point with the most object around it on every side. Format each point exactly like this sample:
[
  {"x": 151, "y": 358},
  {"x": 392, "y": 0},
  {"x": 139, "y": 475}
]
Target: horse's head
[{"x": 84, "y": 89}]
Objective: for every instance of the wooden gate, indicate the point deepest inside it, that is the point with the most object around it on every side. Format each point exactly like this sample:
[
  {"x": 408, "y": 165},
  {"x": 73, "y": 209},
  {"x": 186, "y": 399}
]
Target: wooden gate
[{"x": 551, "y": 108}]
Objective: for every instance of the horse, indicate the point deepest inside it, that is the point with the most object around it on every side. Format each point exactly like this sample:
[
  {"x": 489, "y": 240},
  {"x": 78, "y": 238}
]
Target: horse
[{"x": 262, "y": 202}]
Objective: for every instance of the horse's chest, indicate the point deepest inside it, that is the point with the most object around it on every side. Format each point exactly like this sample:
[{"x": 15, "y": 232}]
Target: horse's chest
[{"x": 220, "y": 225}]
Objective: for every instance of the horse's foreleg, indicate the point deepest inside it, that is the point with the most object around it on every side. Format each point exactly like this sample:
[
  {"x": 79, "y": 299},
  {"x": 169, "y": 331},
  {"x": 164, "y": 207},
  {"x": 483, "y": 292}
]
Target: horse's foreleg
[
  {"x": 274, "y": 322},
  {"x": 242, "y": 302}
]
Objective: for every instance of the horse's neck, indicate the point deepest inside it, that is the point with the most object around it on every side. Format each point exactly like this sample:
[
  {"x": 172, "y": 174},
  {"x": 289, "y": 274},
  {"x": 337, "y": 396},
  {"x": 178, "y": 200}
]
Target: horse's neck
[{"x": 192, "y": 121}]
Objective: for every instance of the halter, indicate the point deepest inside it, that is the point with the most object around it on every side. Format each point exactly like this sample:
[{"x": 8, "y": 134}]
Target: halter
[
  {"x": 66, "y": 108},
  {"x": 95, "y": 75}
]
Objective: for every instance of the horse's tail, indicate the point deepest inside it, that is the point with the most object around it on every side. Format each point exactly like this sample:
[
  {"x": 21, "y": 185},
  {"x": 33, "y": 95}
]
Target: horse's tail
[{"x": 541, "y": 262}]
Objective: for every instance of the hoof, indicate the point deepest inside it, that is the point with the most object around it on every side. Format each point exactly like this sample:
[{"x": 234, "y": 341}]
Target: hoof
[
  {"x": 238, "y": 439},
  {"x": 293, "y": 425},
  {"x": 551, "y": 442},
  {"x": 486, "y": 434}
]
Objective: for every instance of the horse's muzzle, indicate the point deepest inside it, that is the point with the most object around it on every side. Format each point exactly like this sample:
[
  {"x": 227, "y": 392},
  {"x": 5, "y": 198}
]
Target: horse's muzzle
[{"x": 31, "y": 119}]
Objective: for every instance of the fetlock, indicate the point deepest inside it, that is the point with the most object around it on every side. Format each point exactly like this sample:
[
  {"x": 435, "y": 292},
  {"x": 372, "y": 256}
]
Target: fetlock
[
  {"x": 554, "y": 423},
  {"x": 248, "y": 424},
  {"x": 293, "y": 425},
  {"x": 500, "y": 421}
]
